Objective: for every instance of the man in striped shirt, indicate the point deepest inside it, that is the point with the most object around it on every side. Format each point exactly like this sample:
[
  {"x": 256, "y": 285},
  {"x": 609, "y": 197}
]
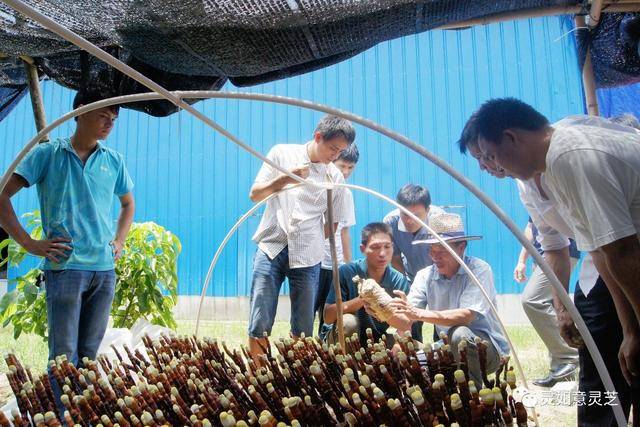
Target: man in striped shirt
[{"x": 291, "y": 234}]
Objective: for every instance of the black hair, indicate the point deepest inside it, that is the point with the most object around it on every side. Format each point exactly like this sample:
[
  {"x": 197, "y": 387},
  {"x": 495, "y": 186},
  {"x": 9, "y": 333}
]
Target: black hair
[
  {"x": 374, "y": 228},
  {"x": 350, "y": 154},
  {"x": 497, "y": 115},
  {"x": 333, "y": 126},
  {"x": 412, "y": 194},
  {"x": 85, "y": 97},
  {"x": 469, "y": 135}
]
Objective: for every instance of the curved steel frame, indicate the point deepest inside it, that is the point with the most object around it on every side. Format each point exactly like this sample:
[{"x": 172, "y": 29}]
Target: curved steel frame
[{"x": 176, "y": 98}]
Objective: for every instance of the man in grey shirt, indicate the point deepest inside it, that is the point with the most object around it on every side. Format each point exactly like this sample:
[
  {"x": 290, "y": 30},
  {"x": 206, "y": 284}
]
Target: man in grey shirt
[{"x": 408, "y": 258}]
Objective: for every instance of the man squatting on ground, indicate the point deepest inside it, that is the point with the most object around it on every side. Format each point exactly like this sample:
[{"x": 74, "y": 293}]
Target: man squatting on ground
[
  {"x": 443, "y": 294},
  {"x": 377, "y": 247},
  {"x": 291, "y": 233},
  {"x": 76, "y": 179},
  {"x": 589, "y": 168}
]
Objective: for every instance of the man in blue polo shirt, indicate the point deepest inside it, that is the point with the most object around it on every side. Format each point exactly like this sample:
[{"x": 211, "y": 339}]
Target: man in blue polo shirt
[
  {"x": 377, "y": 247},
  {"x": 76, "y": 179}
]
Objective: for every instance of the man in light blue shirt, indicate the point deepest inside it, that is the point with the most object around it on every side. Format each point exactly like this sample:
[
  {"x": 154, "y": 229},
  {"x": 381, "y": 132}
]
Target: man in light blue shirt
[
  {"x": 407, "y": 258},
  {"x": 76, "y": 180},
  {"x": 456, "y": 306}
]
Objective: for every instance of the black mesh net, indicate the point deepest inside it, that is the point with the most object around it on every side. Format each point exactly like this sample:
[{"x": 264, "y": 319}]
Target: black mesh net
[{"x": 199, "y": 44}]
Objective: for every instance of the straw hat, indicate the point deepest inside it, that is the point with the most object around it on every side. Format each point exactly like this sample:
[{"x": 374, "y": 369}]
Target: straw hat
[{"x": 450, "y": 228}]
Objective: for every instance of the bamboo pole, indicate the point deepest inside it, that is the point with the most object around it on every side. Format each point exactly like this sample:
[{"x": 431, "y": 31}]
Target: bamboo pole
[
  {"x": 588, "y": 79},
  {"x": 605, "y": 6},
  {"x": 36, "y": 95},
  {"x": 594, "y": 13},
  {"x": 334, "y": 268}
]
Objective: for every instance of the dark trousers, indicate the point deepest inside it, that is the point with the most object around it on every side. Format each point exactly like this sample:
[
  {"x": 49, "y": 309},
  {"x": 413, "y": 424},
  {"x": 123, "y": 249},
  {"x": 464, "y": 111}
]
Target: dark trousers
[
  {"x": 416, "y": 332},
  {"x": 600, "y": 315},
  {"x": 326, "y": 281}
]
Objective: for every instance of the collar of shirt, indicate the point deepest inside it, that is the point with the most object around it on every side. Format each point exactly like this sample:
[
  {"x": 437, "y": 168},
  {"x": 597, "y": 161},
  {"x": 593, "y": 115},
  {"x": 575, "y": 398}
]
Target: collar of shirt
[
  {"x": 66, "y": 144},
  {"x": 362, "y": 265},
  {"x": 461, "y": 271},
  {"x": 305, "y": 156},
  {"x": 421, "y": 231},
  {"x": 321, "y": 169}
]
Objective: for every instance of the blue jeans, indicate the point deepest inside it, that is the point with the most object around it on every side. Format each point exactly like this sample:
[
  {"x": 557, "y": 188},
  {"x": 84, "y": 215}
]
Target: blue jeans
[
  {"x": 268, "y": 276},
  {"x": 78, "y": 307},
  {"x": 324, "y": 285}
]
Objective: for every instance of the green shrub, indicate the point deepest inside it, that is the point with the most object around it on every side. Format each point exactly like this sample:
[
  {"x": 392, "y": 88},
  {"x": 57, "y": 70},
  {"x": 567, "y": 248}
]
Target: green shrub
[{"x": 146, "y": 287}]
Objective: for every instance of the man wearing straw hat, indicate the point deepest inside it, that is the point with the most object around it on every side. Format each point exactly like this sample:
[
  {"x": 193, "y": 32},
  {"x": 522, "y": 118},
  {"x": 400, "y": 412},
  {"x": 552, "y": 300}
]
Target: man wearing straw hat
[{"x": 456, "y": 305}]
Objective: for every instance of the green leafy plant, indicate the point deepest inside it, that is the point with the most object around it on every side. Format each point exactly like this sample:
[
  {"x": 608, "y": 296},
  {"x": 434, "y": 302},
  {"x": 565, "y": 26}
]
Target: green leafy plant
[{"x": 146, "y": 287}]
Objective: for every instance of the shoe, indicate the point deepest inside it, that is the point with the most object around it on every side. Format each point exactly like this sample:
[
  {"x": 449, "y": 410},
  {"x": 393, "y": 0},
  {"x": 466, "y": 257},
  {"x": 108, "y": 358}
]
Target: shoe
[
  {"x": 547, "y": 381},
  {"x": 566, "y": 372}
]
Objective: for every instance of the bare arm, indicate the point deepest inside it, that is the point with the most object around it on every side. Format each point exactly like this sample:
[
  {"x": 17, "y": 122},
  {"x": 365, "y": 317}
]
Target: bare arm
[
  {"x": 610, "y": 276},
  {"x": 621, "y": 262},
  {"x": 8, "y": 218},
  {"x": 629, "y": 353},
  {"x": 351, "y": 306},
  {"x": 560, "y": 262},
  {"x": 127, "y": 209},
  {"x": 520, "y": 271},
  {"x": 327, "y": 230},
  {"x": 52, "y": 249},
  {"x": 262, "y": 190},
  {"x": 455, "y": 317},
  {"x": 346, "y": 244},
  {"x": 400, "y": 322}
]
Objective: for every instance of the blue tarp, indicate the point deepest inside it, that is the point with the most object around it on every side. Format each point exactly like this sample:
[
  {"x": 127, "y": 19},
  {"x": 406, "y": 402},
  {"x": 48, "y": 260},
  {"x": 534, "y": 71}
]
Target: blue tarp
[{"x": 619, "y": 100}]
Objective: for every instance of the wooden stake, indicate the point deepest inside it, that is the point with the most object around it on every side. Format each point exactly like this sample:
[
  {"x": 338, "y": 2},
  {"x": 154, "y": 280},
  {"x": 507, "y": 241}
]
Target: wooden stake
[
  {"x": 334, "y": 267},
  {"x": 594, "y": 13},
  {"x": 36, "y": 95},
  {"x": 588, "y": 79}
]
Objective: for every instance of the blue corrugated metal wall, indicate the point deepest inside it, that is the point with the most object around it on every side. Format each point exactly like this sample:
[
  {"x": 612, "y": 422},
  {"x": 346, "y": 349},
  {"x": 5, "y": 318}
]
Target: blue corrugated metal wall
[{"x": 196, "y": 183}]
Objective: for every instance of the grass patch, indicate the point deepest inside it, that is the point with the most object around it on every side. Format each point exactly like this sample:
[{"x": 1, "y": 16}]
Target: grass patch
[{"x": 32, "y": 350}]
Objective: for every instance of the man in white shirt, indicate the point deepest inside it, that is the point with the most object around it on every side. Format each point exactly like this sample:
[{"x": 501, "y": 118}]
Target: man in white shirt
[
  {"x": 291, "y": 233},
  {"x": 589, "y": 167},
  {"x": 346, "y": 162}
]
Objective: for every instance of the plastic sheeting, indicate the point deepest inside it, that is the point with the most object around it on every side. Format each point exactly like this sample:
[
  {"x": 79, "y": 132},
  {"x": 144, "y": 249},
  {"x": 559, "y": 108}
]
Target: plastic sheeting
[{"x": 620, "y": 100}]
